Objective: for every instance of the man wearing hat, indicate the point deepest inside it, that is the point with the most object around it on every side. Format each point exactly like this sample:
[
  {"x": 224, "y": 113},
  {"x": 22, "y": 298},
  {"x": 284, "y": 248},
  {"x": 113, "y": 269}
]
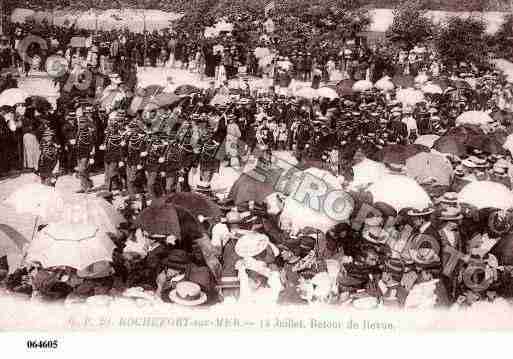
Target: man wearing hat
[
  {"x": 69, "y": 131},
  {"x": 499, "y": 174},
  {"x": 49, "y": 154},
  {"x": 178, "y": 267},
  {"x": 114, "y": 147},
  {"x": 397, "y": 128},
  {"x": 86, "y": 141},
  {"x": 135, "y": 138},
  {"x": 208, "y": 155},
  {"x": 450, "y": 220}
]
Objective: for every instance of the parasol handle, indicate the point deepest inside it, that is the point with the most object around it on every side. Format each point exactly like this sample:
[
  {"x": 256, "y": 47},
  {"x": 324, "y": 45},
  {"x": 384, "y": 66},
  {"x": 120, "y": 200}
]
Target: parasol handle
[{"x": 34, "y": 230}]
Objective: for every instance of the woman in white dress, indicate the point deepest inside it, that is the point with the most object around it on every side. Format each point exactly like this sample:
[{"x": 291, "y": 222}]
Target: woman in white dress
[{"x": 220, "y": 76}]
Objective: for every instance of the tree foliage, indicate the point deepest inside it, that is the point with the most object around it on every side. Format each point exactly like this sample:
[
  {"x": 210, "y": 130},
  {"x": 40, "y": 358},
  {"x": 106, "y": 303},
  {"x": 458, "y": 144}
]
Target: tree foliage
[
  {"x": 462, "y": 40},
  {"x": 502, "y": 41},
  {"x": 410, "y": 25},
  {"x": 320, "y": 24}
]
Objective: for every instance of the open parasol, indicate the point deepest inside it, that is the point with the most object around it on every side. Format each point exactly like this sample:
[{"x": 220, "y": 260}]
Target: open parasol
[
  {"x": 398, "y": 154},
  {"x": 427, "y": 140},
  {"x": 486, "y": 194},
  {"x": 400, "y": 192},
  {"x": 38, "y": 200},
  {"x": 367, "y": 172},
  {"x": 196, "y": 203},
  {"x": 13, "y": 96},
  {"x": 362, "y": 85},
  {"x": 86, "y": 209},
  {"x": 451, "y": 144},
  {"x": 345, "y": 87},
  {"x": 73, "y": 245},
  {"x": 409, "y": 96},
  {"x": 16, "y": 232},
  {"x": 384, "y": 84},
  {"x": 251, "y": 187},
  {"x": 474, "y": 118},
  {"x": 424, "y": 166},
  {"x": 307, "y": 92},
  {"x": 327, "y": 92}
]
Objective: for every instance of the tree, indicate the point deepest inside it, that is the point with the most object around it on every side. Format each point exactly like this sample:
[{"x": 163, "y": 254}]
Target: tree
[
  {"x": 411, "y": 25},
  {"x": 462, "y": 40},
  {"x": 197, "y": 16},
  {"x": 502, "y": 41},
  {"x": 317, "y": 23}
]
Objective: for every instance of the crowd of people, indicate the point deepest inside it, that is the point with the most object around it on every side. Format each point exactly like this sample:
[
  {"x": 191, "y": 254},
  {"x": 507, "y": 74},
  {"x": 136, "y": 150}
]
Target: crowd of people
[{"x": 150, "y": 141}]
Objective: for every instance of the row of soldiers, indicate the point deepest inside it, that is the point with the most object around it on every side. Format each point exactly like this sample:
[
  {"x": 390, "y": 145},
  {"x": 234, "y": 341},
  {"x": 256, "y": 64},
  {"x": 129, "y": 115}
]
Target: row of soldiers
[{"x": 133, "y": 151}]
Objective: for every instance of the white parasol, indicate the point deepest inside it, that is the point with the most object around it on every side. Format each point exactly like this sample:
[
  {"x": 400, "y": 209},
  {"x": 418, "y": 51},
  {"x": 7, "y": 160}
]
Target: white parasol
[
  {"x": 400, "y": 192},
  {"x": 74, "y": 245},
  {"x": 362, "y": 85},
  {"x": 484, "y": 194},
  {"x": 474, "y": 118}
]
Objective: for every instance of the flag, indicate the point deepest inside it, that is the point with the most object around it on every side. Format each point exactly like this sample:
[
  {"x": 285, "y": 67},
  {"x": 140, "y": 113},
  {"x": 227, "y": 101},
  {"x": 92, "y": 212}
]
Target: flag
[{"x": 269, "y": 6}]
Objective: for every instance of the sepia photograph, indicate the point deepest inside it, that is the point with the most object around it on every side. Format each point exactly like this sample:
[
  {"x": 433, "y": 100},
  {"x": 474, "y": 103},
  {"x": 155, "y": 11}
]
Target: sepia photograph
[{"x": 199, "y": 166}]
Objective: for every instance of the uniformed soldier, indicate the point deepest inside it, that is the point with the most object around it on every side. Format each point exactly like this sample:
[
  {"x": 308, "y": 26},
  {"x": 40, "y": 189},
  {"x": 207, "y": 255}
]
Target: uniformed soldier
[
  {"x": 69, "y": 130},
  {"x": 136, "y": 141},
  {"x": 114, "y": 150},
  {"x": 49, "y": 155},
  {"x": 208, "y": 160},
  {"x": 187, "y": 139},
  {"x": 85, "y": 142},
  {"x": 157, "y": 147}
]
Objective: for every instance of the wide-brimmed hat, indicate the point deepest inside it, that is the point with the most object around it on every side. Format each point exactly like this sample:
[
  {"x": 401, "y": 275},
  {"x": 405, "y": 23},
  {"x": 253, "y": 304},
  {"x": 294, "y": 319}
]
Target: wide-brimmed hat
[
  {"x": 415, "y": 212},
  {"x": 375, "y": 235},
  {"x": 373, "y": 230},
  {"x": 500, "y": 171},
  {"x": 449, "y": 198},
  {"x": 101, "y": 269},
  {"x": 188, "y": 294},
  {"x": 251, "y": 244},
  {"x": 451, "y": 214},
  {"x": 474, "y": 162}
]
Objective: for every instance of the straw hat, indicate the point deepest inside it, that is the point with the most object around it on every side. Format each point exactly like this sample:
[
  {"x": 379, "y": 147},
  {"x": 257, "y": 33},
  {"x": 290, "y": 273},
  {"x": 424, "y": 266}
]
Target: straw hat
[
  {"x": 451, "y": 214},
  {"x": 251, "y": 244},
  {"x": 449, "y": 198},
  {"x": 188, "y": 294},
  {"x": 420, "y": 212},
  {"x": 474, "y": 162}
]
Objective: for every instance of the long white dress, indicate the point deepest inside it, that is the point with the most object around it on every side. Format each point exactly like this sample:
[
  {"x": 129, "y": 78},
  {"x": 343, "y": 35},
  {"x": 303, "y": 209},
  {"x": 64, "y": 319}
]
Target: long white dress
[{"x": 220, "y": 76}]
